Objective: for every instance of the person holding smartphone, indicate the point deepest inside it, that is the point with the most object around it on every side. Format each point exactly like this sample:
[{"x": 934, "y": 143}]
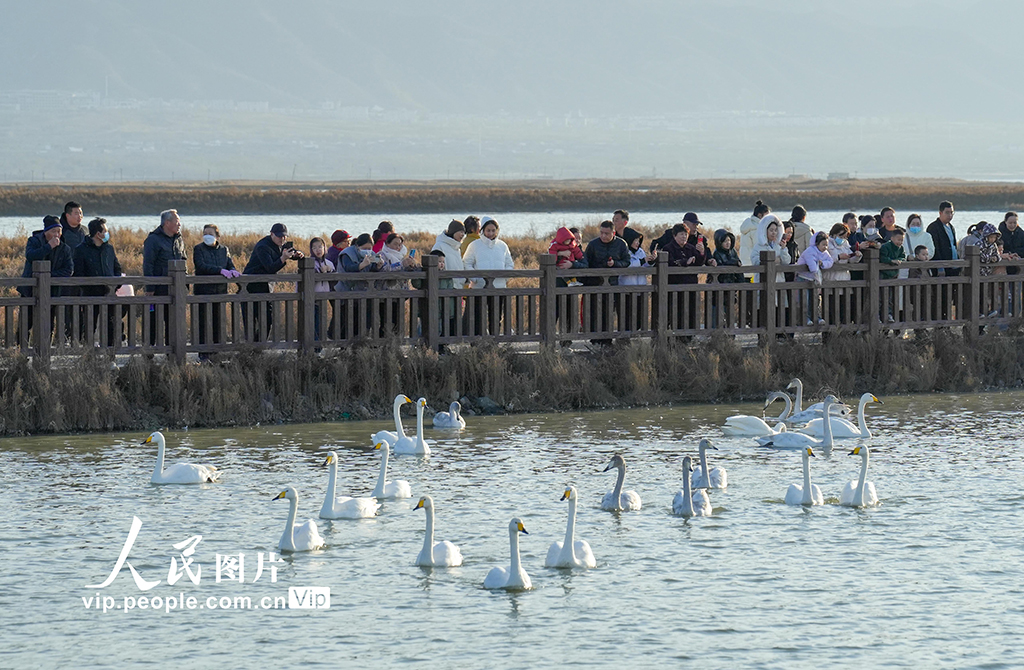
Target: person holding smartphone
[{"x": 268, "y": 257}]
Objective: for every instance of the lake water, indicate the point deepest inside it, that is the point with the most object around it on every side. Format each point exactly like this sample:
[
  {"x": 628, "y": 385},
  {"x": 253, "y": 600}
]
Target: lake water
[
  {"x": 934, "y": 577},
  {"x": 538, "y": 224}
]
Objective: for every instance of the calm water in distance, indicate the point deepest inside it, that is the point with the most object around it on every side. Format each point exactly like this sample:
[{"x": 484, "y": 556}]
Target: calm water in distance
[
  {"x": 934, "y": 577},
  {"x": 534, "y": 224}
]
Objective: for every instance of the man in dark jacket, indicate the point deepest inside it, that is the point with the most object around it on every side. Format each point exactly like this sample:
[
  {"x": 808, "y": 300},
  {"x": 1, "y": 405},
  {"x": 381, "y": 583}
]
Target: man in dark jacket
[
  {"x": 688, "y": 248},
  {"x": 73, "y": 233},
  {"x": 604, "y": 251},
  {"x": 163, "y": 245},
  {"x": 96, "y": 258},
  {"x": 212, "y": 258},
  {"x": 1013, "y": 238},
  {"x": 47, "y": 245},
  {"x": 944, "y": 237},
  {"x": 268, "y": 257}
]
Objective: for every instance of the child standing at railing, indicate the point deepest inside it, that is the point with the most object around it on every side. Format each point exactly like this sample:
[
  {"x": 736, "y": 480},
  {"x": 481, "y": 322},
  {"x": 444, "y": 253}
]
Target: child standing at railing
[
  {"x": 812, "y": 262},
  {"x": 892, "y": 253},
  {"x": 317, "y": 250}
]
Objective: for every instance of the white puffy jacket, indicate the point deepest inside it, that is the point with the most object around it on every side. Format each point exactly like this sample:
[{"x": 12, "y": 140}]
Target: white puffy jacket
[{"x": 487, "y": 254}]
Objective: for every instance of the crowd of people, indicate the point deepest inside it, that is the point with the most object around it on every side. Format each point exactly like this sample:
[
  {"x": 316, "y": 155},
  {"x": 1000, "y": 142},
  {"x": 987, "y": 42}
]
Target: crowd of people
[{"x": 473, "y": 244}]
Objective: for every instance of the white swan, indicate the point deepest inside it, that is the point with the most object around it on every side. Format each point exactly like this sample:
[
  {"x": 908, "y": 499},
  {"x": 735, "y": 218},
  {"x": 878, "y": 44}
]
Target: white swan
[
  {"x": 795, "y": 440},
  {"x": 570, "y": 553},
  {"x": 801, "y": 416},
  {"x": 398, "y": 488},
  {"x": 441, "y": 555},
  {"x": 841, "y": 428},
  {"x": 719, "y": 477},
  {"x": 745, "y": 425},
  {"x": 387, "y": 435},
  {"x": 515, "y": 578},
  {"x": 690, "y": 503},
  {"x": 451, "y": 419},
  {"x": 617, "y": 499},
  {"x": 414, "y": 445},
  {"x": 808, "y": 493},
  {"x": 344, "y": 507},
  {"x": 179, "y": 473},
  {"x": 860, "y": 493},
  {"x": 304, "y": 537}
]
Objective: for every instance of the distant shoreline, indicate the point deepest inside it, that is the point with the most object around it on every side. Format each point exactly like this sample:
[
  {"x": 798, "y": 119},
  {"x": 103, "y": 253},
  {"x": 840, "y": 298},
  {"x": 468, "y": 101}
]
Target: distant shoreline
[{"x": 428, "y": 197}]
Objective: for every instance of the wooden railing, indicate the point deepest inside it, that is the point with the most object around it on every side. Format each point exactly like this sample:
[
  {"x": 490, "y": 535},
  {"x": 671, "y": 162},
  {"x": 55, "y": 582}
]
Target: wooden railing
[{"x": 545, "y": 305}]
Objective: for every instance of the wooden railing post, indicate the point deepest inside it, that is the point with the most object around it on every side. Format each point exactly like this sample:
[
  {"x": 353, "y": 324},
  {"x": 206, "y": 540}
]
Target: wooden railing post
[
  {"x": 307, "y": 304},
  {"x": 661, "y": 297},
  {"x": 432, "y": 319},
  {"x": 973, "y": 306},
  {"x": 769, "y": 296},
  {"x": 548, "y": 298},
  {"x": 178, "y": 313},
  {"x": 874, "y": 304},
  {"x": 41, "y": 315}
]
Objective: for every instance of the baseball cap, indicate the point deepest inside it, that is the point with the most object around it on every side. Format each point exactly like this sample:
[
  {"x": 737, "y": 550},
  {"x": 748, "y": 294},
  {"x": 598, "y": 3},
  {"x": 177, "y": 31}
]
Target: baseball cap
[{"x": 279, "y": 229}]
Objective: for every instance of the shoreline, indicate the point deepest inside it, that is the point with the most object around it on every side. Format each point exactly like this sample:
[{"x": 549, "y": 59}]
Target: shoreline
[{"x": 429, "y": 197}]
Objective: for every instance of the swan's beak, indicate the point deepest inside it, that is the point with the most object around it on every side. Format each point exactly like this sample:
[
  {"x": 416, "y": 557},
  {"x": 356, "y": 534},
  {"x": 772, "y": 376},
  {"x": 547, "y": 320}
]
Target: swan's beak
[
  {"x": 147, "y": 440},
  {"x": 877, "y": 400},
  {"x": 607, "y": 468},
  {"x": 810, "y": 452},
  {"x": 856, "y": 450},
  {"x": 566, "y": 495},
  {"x": 419, "y": 505},
  {"x": 280, "y": 495},
  {"x": 328, "y": 461},
  {"x": 406, "y": 398},
  {"x": 522, "y": 529},
  {"x": 379, "y": 445}
]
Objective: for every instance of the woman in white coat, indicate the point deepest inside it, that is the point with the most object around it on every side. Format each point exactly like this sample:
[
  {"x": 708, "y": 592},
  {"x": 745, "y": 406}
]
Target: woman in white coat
[
  {"x": 449, "y": 242},
  {"x": 489, "y": 253}
]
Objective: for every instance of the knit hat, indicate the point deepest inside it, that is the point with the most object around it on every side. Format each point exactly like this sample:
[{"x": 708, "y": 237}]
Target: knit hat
[
  {"x": 50, "y": 222},
  {"x": 339, "y": 236}
]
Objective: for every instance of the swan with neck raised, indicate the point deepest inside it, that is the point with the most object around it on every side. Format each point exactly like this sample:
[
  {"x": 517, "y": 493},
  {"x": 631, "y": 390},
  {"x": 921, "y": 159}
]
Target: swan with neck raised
[
  {"x": 570, "y": 552},
  {"x": 841, "y": 428},
  {"x": 860, "y": 493},
  {"x": 719, "y": 478},
  {"x": 399, "y": 432},
  {"x": 745, "y": 425},
  {"x": 415, "y": 445},
  {"x": 179, "y": 473},
  {"x": 303, "y": 537},
  {"x": 687, "y": 502},
  {"x": 807, "y": 493},
  {"x": 800, "y": 416},
  {"x": 344, "y": 507},
  {"x": 398, "y": 488},
  {"x": 515, "y": 578},
  {"x": 618, "y": 500},
  {"x": 452, "y": 419},
  {"x": 795, "y": 440},
  {"x": 441, "y": 555}
]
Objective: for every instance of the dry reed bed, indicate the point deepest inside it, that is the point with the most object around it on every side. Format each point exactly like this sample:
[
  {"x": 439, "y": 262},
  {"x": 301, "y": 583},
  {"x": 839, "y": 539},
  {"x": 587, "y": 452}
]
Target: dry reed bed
[{"x": 255, "y": 387}]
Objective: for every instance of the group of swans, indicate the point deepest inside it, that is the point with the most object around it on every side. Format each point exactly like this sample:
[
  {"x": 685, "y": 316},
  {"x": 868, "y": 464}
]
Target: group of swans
[
  {"x": 856, "y": 493},
  {"x": 402, "y": 443}
]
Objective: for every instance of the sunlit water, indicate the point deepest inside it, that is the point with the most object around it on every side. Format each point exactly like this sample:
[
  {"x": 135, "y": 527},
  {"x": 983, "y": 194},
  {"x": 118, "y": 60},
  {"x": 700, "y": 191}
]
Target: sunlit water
[
  {"x": 932, "y": 577},
  {"x": 538, "y": 224}
]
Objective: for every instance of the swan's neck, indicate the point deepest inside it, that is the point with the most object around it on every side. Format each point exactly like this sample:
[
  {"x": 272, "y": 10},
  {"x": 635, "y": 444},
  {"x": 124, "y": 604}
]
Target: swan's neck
[
  {"x": 788, "y": 408},
  {"x": 419, "y": 421},
  {"x": 332, "y": 482},
  {"x": 158, "y": 469},
  {"x": 858, "y": 497},
  {"x": 827, "y": 426},
  {"x": 288, "y": 539},
  {"x": 513, "y": 542},
  {"x": 453, "y": 412},
  {"x": 428, "y": 537},
  {"x": 687, "y": 495},
  {"x": 570, "y": 530},
  {"x": 382, "y": 477},
  {"x": 808, "y": 499},
  {"x": 799, "y": 398},
  {"x": 704, "y": 473},
  {"x": 617, "y": 491},
  {"x": 861, "y": 423},
  {"x": 398, "y": 420}
]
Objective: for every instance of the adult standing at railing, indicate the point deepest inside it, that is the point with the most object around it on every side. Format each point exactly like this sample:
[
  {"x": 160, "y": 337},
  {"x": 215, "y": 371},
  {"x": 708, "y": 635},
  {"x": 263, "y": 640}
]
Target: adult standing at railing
[
  {"x": 74, "y": 235},
  {"x": 162, "y": 246},
  {"x": 46, "y": 245},
  {"x": 489, "y": 253},
  {"x": 620, "y": 219},
  {"x": 748, "y": 229},
  {"x": 268, "y": 257},
  {"x": 212, "y": 258},
  {"x": 96, "y": 258},
  {"x": 802, "y": 233},
  {"x": 688, "y": 249},
  {"x": 358, "y": 257},
  {"x": 944, "y": 237},
  {"x": 449, "y": 243},
  {"x": 1013, "y": 239},
  {"x": 604, "y": 251}
]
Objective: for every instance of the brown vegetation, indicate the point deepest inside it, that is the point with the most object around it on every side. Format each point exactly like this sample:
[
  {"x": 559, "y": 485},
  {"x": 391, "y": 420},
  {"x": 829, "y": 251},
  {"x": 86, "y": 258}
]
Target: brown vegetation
[{"x": 347, "y": 384}]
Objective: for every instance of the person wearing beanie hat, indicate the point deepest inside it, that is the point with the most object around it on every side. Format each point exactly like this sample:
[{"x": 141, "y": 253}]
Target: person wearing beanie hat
[
  {"x": 268, "y": 257},
  {"x": 47, "y": 245},
  {"x": 340, "y": 240}
]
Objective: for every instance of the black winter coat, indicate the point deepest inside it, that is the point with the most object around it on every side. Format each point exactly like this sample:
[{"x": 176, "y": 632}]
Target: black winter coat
[
  {"x": 93, "y": 261},
  {"x": 62, "y": 261},
  {"x": 210, "y": 261},
  {"x": 943, "y": 249},
  {"x": 158, "y": 250},
  {"x": 264, "y": 260},
  {"x": 597, "y": 255}
]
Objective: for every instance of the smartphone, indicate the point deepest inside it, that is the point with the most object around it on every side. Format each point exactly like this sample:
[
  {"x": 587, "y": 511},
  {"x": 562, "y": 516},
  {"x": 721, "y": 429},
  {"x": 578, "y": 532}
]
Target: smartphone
[
  {"x": 288, "y": 245},
  {"x": 412, "y": 253}
]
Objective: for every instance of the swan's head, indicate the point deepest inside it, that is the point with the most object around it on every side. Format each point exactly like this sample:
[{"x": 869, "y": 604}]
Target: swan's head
[
  {"x": 401, "y": 399},
  {"x": 870, "y": 397},
  {"x": 288, "y": 493},
  {"x": 426, "y": 502},
  {"x": 830, "y": 400},
  {"x": 687, "y": 465},
  {"x": 859, "y": 451},
  {"x": 570, "y": 493},
  {"x": 332, "y": 457},
  {"x": 381, "y": 444},
  {"x": 810, "y": 452},
  {"x": 705, "y": 444},
  {"x": 616, "y": 462},
  {"x": 455, "y": 408},
  {"x": 155, "y": 437},
  {"x": 516, "y": 526},
  {"x": 422, "y": 402},
  {"x": 796, "y": 383}
]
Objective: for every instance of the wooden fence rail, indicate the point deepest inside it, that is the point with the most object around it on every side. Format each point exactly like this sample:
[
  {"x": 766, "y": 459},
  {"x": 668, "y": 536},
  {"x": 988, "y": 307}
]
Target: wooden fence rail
[{"x": 309, "y": 311}]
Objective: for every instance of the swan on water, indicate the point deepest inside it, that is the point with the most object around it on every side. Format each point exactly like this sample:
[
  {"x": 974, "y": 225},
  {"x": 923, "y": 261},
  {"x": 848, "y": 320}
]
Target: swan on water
[
  {"x": 801, "y": 416},
  {"x": 841, "y": 428},
  {"x": 179, "y": 473},
  {"x": 414, "y": 445},
  {"x": 795, "y": 440},
  {"x": 690, "y": 503},
  {"x": 617, "y": 499},
  {"x": 570, "y": 552},
  {"x": 514, "y": 578},
  {"x": 808, "y": 493},
  {"x": 393, "y": 436},
  {"x": 441, "y": 555},
  {"x": 860, "y": 493},
  {"x": 398, "y": 488},
  {"x": 745, "y": 425},
  {"x": 450, "y": 419},
  {"x": 719, "y": 477},
  {"x": 344, "y": 507},
  {"x": 304, "y": 537}
]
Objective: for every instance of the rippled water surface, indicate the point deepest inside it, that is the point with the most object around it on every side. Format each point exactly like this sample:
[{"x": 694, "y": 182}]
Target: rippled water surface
[{"x": 932, "y": 577}]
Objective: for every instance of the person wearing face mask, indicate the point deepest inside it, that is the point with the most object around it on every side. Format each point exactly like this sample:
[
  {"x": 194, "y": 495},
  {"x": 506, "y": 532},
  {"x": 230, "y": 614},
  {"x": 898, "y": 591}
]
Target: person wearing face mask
[
  {"x": 357, "y": 258},
  {"x": 96, "y": 257},
  {"x": 842, "y": 255},
  {"x": 916, "y": 237},
  {"x": 211, "y": 259}
]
